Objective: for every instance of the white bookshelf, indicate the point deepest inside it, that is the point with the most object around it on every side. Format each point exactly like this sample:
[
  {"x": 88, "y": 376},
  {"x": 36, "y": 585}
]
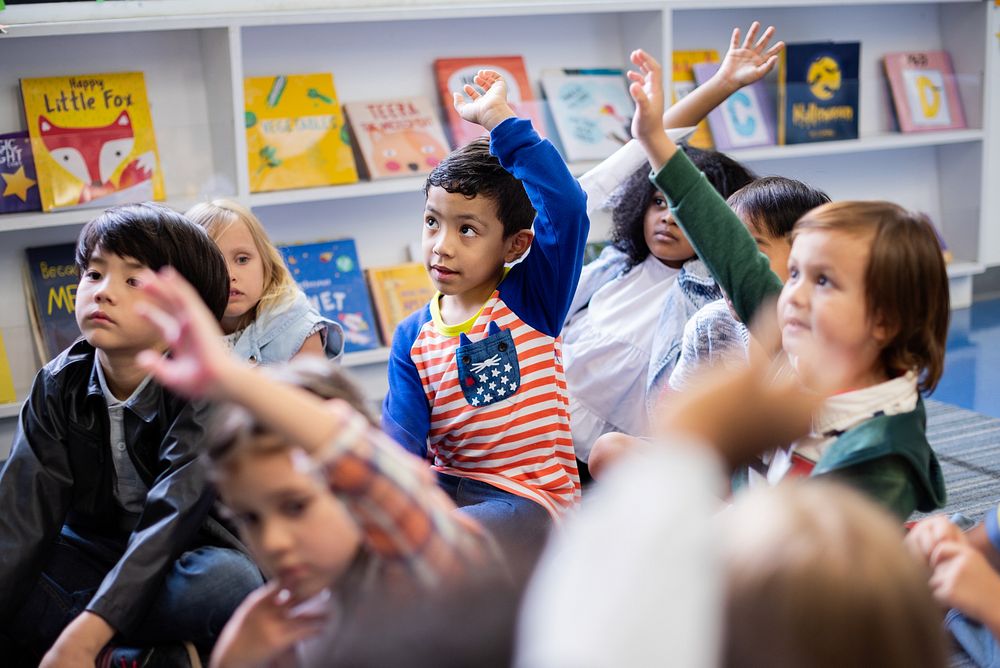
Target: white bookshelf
[{"x": 195, "y": 55}]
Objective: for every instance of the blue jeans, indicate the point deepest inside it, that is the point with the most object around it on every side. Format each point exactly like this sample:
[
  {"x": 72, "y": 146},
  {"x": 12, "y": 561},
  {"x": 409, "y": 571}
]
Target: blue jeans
[
  {"x": 196, "y": 599},
  {"x": 975, "y": 639},
  {"x": 519, "y": 525}
]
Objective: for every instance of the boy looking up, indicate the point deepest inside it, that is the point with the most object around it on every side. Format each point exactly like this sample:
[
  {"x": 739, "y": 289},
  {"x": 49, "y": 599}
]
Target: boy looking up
[
  {"x": 104, "y": 507},
  {"x": 475, "y": 378}
]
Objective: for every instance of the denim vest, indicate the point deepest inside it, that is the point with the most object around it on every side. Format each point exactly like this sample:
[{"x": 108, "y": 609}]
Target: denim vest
[
  {"x": 278, "y": 334},
  {"x": 693, "y": 289}
]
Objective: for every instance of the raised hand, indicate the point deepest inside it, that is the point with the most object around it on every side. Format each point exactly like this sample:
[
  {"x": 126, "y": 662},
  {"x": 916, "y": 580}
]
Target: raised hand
[
  {"x": 489, "y": 108},
  {"x": 748, "y": 61},
  {"x": 198, "y": 358},
  {"x": 646, "y": 88}
]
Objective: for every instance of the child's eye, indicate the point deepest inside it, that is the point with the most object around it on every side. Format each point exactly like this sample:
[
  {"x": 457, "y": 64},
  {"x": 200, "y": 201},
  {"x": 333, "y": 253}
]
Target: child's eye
[
  {"x": 92, "y": 275},
  {"x": 659, "y": 201},
  {"x": 294, "y": 508},
  {"x": 134, "y": 282},
  {"x": 430, "y": 223},
  {"x": 242, "y": 259},
  {"x": 247, "y": 519},
  {"x": 822, "y": 280},
  {"x": 793, "y": 272},
  {"x": 468, "y": 231}
]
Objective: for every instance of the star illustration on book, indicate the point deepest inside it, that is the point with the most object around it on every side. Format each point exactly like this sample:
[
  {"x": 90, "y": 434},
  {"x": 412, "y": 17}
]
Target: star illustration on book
[
  {"x": 17, "y": 184},
  {"x": 507, "y": 368}
]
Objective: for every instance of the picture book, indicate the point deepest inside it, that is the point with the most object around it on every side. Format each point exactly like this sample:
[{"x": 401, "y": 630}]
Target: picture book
[
  {"x": 684, "y": 83},
  {"x": 924, "y": 92},
  {"x": 330, "y": 275},
  {"x": 7, "y": 393},
  {"x": 398, "y": 291},
  {"x": 296, "y": 136},
  {"x": 592, "y": 111},
  {"x": 50, "y": 281},
  {"x": 400, "y": 137},
  {"x": 818, "y": 92},
  {"x": 18, "y": 183},
  {"x": 453, "y": 73},
  {"x": 92, "y": 138},
  {"x": 745, "y": 119}
]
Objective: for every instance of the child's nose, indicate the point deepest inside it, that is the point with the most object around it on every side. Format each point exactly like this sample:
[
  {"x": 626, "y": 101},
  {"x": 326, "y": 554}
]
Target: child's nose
[{"x": 274, "y": 538}]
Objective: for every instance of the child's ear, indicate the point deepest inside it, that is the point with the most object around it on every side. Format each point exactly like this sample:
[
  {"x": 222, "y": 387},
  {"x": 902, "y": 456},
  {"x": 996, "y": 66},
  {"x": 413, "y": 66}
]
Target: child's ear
[
  {"x": 517, "y": 245},
  {"x": 883, "y": 331}
]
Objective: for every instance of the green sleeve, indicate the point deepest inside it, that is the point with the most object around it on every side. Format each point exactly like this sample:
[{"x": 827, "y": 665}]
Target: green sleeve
[
  {"x": 887, "y": 480},
  {"x": 717, "y": 236}
]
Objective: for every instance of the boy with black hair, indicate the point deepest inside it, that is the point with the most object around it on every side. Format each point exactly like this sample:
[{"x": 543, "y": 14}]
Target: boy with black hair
[
  {"x": 105, "y": 527},
  {"x": 475, "y": 378}
]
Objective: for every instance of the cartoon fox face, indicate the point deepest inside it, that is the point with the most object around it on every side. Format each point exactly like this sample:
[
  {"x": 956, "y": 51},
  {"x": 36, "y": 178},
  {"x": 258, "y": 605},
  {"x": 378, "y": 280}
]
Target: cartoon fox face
[
  {"x": 90, "y": 154},
  {"x": 410, "y": 152}
]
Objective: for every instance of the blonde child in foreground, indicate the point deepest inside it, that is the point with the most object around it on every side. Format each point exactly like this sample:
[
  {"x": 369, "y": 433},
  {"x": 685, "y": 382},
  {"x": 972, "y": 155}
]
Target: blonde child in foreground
[
  {"x": 268, "y": 319},
  {"x": 966, "y": 578},
  {"x": 332, "y": 509},
  {"x": 867, "y": 285},
  {"x": 802, "y": 574}
]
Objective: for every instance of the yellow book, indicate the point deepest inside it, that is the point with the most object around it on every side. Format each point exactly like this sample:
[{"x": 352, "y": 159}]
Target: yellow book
[
  {"x": 7, "y": 394},
  {"x": 93, "y": 140},
  {"x": 684, "y": 83},
  {"x": 295, "y": 133},
  {"x": 398, "y": 291}
]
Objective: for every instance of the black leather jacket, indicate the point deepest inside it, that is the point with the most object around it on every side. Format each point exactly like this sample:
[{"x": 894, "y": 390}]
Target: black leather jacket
[{"x": 61, "y": 471}]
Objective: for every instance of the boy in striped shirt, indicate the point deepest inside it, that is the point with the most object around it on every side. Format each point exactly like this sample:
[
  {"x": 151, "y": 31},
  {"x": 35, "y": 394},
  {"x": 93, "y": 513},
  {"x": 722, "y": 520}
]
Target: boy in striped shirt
[{"x": 476, "y": 381}]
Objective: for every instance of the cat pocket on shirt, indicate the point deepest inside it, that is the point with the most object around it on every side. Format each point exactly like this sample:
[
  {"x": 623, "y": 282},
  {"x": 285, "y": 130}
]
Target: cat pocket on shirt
[{"x": 487, "y": 370}]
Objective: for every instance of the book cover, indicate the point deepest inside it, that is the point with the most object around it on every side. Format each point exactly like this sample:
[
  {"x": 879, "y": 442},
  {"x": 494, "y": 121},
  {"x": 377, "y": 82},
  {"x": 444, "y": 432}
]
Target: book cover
[
  {"x": 684, "y": 83},
  {"x": 818, "y": 92},
  {"x": 18, "y": 183},
  {"x": 924, "y": 91},
  {"x": 7, "y": 393},
  {"x": 398, "y": 291},
  {"x": 592, "y": 111},
  {"x": 745, "y": 118},
  {"x": 453, "y": 73},
  {"x": 296, "y": 136},
  {"x": 51, "y": 279},
  {"x": 400, "y": 137},
  {"x": 330, "y": 275},
  {"x": 92, "y": 139}
]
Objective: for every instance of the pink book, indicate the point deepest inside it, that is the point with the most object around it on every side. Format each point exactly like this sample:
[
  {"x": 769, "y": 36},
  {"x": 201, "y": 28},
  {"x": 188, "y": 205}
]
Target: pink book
[{"x": 924, "y": 91}]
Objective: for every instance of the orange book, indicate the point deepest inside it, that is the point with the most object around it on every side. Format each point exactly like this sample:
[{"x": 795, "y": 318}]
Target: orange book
[
  {"x": 398, "y": 291},
  {"x": 453, "y": 73}
]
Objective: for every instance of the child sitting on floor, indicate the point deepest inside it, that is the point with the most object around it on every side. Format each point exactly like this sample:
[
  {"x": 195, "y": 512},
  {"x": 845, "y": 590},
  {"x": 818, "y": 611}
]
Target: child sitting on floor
[
  {"x": 268, "y": 318},
  {"x": 332, "y": 509},
  {"x": 867, "y": 284},
  {"x": 475, "y": 377}
]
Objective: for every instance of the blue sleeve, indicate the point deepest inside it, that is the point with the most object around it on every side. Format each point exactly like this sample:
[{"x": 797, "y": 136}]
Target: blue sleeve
[
  {"x": 540, "y": 288},
  {"x": 406, "y": 415},
  {"x": 993, "y": 527}
]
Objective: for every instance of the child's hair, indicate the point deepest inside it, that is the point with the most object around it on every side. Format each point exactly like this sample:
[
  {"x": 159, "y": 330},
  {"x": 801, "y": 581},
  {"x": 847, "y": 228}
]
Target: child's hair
[
  {"x": 906, "y": 283},
  {"x": 218, "y": 216},
  {"x": 473, "y": 171},
  {"x": 632, "y": 198},
  {"x": 818, "y": 576},
  {"x": 237, "y": 430},
  {"x": 772, "y": 204},
  {"x": 156, "y": 236}
]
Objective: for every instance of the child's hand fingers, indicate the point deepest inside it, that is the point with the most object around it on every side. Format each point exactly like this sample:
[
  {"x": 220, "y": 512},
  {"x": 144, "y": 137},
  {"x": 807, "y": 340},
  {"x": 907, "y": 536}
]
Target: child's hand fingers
[
  {"x": 751, "y": 35},
  {"x": 945, "y": 551},
  {"x": 471, "y": 92},
  {"x": 639, "y": 96},
  {"x": 734, "y": 40},
  {"x": 635, "y": 76},
  {"x": 764, "y": 39},
  {"x": 774, "y": 51},
  {"x": 766, "y": 66}
]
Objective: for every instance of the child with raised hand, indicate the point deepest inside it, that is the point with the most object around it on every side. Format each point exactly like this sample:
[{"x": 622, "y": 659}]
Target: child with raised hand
[
  {"x": 333, "y": 510},
  {"x": 106, "y": 523},
  {"x": 475, "y": 378},
  {"x": 623, "y": 335},
  {"x": 268, "y": 318},
  {"x": 768, "y": 208},
  {"x": 867, "y": 283}
]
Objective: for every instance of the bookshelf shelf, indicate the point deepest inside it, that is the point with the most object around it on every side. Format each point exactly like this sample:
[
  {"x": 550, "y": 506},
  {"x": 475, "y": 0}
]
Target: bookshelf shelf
[
  {"x": 367, "y": 357},
  {"x": 10, "y": 410},
  {"x": 39, "y": 219},
  {"x": 881, "y": 142}
]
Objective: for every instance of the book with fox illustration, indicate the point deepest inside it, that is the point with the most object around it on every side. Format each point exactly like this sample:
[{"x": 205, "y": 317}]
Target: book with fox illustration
[
  {"x": 453, "y": 73},
  {"x": 93, "y": 140},
  {"x": 330, "y": 275},
  {"x": 398, "y": 137},
  {"x": 296, "y": 136},
  {"x": 398, "y": 291}
]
